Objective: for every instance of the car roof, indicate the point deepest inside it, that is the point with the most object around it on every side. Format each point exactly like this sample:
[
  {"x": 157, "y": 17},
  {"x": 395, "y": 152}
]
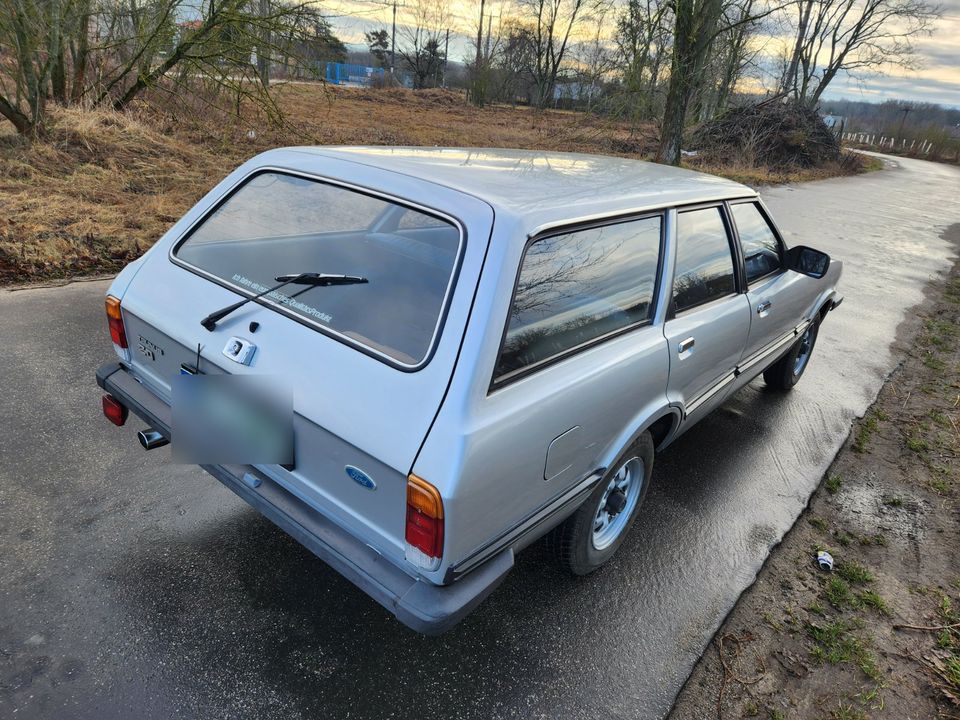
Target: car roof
[{"x": 543, "y": 188}]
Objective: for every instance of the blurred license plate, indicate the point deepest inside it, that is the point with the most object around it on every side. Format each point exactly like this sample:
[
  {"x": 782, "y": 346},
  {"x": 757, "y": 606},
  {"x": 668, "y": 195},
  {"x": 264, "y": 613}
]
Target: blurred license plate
[{"x": 242, "y": 419}]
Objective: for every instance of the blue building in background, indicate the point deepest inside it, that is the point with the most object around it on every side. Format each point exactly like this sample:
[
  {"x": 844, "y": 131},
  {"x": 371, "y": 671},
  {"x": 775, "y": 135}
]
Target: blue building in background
[{"x": 349, "y": 74}]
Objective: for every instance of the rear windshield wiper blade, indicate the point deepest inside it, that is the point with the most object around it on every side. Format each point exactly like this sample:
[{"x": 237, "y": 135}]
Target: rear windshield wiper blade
[{"x": 307, "y": 278}]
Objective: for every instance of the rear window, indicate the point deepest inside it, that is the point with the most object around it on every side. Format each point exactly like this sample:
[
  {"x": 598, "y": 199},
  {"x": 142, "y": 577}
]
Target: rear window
[
  {"x": 281, "y": 224},
  {"x": 577, "y": 287}
]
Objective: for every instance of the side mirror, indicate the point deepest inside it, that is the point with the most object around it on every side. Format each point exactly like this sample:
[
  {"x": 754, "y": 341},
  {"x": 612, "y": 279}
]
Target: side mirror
[{"x": 807, "y": 261}]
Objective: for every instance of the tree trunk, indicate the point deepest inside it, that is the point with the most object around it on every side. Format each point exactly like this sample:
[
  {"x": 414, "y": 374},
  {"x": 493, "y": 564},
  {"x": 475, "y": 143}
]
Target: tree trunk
[
  {"x": 20, "y": 121},
  {"x": 674, "y": 116},
  {"x": 790, "y": 78},
  {"x": 263, "y": 52},
  {"x": 479, "y": 89},
  {"x": 58, "y": 75},
  {"x": 696, "y": 28},
  {"x": 81, "y": 54},
  {"x": 681, "y": 85}
]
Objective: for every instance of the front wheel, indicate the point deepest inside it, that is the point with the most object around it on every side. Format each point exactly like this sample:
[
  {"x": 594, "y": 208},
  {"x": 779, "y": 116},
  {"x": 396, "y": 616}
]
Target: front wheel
[
  {"x": 590, "y": 537},
  {"x": 787, "y": 371}
]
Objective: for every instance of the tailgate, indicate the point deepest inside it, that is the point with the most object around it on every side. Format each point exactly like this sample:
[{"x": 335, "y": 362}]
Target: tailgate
[{"x": 351, "y": 407}]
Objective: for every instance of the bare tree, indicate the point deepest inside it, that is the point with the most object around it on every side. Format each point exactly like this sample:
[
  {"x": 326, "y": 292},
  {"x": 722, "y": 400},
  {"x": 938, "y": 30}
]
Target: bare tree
[
  {"x": 487, "y": 49},
  {"x": 107, "y": 52},
  {"x": 595, "y": 57},
  {"x": 642, "y": 37},
  {"x": 421, "y": 47},
  {"x": 31, "y": 56},
  {"x": 730, "y": 55},
  {"x": 697, "y": 24},
  {"x": 513, "y": 64},
  {"x": 852, "y": 35},
  {"x": 551, "y": 26}
]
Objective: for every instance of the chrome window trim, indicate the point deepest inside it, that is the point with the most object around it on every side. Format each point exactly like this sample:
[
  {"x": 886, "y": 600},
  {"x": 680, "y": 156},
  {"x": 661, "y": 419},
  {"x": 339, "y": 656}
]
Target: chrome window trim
[
  {"x": 303, "y": 320},
  {"x": 601, "y": 218}
]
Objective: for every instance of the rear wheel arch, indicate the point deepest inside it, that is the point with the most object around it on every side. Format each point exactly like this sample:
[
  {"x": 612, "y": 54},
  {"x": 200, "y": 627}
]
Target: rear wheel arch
[
  {"x": 661, "y": 422},
  {"x": 662, "y": 428}
]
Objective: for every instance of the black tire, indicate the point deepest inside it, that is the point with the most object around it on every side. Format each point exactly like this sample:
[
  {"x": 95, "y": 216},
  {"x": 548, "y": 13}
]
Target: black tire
[
  {"x": 784, "y": 374},
  {"x": 572, "y": 542}
]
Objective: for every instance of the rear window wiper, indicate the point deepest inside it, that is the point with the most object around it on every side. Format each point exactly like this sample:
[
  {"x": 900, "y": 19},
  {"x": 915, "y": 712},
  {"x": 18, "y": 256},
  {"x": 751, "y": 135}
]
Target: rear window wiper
[{"x": 307, "y": 278}]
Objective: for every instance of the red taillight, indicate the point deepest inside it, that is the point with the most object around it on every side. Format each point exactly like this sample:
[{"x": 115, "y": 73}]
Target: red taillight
[
  {"x": 424, "y": 517},
  {"x": 115, "y": 320},
  {"x": 113, "y": 410}
]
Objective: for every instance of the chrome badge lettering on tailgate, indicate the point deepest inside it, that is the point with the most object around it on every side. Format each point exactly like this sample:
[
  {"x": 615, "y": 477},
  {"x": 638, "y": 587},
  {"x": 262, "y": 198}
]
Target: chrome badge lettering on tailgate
[{"x": 148, "y": 349}]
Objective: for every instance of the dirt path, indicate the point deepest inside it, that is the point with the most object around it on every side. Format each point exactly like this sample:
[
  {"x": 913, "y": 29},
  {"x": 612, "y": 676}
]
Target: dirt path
[{"x": 803, "y": 643}]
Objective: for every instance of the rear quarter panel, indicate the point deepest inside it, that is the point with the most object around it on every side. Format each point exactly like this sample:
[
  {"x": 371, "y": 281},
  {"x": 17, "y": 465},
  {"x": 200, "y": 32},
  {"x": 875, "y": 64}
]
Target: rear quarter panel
[{"x": 487, "y": 450}]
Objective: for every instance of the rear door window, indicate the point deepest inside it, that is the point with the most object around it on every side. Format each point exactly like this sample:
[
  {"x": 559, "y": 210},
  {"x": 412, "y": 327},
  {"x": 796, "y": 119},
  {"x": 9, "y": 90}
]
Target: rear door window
[
  {"x": 761, "y": 248},
  {"x": 281, "y": 224},
  {"x": 704, "y": 268},
  {"x": 574, "y": 288}
]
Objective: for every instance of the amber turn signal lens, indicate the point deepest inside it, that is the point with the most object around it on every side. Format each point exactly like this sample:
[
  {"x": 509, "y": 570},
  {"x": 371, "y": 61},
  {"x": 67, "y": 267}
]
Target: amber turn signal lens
[
  {"x": 113, "y": 308},
  {"x": 424, "y": 497}
]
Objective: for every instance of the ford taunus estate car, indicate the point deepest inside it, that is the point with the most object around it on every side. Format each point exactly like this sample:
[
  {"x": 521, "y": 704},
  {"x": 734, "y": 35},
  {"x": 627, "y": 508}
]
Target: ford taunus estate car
[{"x": 483, "y": 347}]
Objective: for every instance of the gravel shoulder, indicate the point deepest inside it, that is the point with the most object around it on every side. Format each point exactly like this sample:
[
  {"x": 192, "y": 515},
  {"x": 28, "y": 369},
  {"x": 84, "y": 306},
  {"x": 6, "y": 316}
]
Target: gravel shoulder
[{"x": 879, "y": 636}]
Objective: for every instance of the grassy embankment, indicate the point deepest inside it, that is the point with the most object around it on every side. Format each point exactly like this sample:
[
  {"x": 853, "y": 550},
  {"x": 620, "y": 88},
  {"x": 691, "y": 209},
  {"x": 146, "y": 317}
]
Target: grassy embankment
[{"x": 102, "y": 187}]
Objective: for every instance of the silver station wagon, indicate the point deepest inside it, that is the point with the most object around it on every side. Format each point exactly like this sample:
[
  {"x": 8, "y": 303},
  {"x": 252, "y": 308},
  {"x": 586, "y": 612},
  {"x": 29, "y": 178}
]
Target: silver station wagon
[{"x": 418, "y": 361}]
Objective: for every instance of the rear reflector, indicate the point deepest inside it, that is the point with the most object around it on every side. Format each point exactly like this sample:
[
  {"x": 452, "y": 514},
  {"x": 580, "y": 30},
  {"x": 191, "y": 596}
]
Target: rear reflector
[
  {"x": 115, "y": 320},
  {"x": 113, "y": 410},
  {"x": 424, "y": 529}
]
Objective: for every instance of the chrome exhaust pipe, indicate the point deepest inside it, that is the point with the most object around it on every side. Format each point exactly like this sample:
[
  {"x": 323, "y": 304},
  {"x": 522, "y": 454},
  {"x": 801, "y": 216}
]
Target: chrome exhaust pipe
[{"x": 151, "y": 439}]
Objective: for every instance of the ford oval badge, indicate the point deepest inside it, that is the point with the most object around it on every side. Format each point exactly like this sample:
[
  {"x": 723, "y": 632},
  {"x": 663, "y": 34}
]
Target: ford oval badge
[{"x": 360, "y": 477}]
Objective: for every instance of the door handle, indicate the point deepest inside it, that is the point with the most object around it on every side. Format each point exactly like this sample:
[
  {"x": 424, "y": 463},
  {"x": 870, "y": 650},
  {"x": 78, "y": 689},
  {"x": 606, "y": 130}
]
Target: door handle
[
  {"x": 685, "y": 345},
  {"x": 763, "y": 307}
]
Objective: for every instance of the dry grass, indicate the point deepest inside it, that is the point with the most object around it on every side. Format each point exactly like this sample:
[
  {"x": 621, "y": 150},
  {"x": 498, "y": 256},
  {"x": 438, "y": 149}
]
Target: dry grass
[{"x": 104, "y": 186}]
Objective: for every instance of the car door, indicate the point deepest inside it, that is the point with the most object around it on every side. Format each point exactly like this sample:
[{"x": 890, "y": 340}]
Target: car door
[
  {"x": 709, "y": 319},
  {"x": 778, "y": 297}
]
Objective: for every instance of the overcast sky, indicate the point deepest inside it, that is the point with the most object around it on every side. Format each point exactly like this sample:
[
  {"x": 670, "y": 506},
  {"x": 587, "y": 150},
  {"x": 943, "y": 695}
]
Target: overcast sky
[{"x": 936, "y": 79}]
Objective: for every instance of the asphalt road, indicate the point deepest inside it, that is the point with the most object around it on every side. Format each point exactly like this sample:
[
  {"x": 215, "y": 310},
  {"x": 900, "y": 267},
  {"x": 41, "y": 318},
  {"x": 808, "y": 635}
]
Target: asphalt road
[{"x": 132, "y": 587}]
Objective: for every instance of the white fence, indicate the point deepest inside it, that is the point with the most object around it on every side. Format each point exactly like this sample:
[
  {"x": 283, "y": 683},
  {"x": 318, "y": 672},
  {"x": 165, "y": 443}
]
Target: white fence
[{"x": 882, "y": 142}]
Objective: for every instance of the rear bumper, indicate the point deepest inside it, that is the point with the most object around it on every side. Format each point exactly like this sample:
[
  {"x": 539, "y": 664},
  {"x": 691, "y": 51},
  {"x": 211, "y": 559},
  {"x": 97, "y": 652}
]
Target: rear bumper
[{"x": 422, "y": 606}]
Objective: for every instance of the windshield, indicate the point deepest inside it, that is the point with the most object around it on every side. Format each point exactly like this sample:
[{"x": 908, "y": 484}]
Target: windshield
[{"x": 279, "y": 224}]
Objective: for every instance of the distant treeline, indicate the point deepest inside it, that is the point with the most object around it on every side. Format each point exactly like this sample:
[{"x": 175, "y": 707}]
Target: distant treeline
[
  {"x": 908, "y": 128},
  {"x": 886, "y": 117}
]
